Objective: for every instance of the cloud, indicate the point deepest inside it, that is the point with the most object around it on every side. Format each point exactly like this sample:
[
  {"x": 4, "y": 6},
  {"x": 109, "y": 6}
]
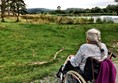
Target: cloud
[
  {"x": 52, "y": 4},
  {"x": 102, "y": 4}
]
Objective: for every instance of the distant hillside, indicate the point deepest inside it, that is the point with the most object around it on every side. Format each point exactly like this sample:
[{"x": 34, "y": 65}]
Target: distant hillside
[
  {"x": 44, "y": 10},
  {"x": 38, "y": 10}
]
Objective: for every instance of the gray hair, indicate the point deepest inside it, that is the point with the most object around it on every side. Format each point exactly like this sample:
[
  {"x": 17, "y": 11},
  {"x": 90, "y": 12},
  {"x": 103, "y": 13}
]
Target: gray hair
[{"x": 94, "y": 36}]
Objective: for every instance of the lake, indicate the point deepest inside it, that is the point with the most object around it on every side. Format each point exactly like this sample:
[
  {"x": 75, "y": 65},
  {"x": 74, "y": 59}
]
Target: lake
[{"x": 113, "y": 18}]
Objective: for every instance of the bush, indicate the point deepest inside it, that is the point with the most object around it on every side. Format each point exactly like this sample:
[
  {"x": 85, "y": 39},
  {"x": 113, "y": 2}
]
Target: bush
[
  {"x": 99, "y": 20},
  {"x": 104, "y": 20},
  {"x": 83, "y": 20},
  {"x": 90, "y": 21}
]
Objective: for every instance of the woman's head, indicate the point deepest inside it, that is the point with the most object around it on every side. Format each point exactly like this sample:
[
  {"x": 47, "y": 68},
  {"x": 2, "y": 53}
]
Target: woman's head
[{"x": 93, "y": 35}]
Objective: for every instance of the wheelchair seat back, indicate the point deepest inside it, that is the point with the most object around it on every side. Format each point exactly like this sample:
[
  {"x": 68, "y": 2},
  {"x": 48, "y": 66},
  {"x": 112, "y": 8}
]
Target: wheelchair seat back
[{"x": 91, "y": 69}]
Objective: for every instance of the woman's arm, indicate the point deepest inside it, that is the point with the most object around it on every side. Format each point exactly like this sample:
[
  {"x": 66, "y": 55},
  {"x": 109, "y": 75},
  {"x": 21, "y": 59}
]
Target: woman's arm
[
  {"x": 105, "y": 53},
  {"x": 77, "y": 59}
]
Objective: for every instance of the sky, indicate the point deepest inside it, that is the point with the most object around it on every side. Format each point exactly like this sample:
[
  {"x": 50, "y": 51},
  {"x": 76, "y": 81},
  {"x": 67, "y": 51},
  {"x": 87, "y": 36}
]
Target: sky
[{"x": 52, "y": 4}]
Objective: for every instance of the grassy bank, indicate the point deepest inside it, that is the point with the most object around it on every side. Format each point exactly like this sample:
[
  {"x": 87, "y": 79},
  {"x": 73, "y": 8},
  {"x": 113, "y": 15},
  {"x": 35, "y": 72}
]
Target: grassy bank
[{"x": 21, "y": 45}]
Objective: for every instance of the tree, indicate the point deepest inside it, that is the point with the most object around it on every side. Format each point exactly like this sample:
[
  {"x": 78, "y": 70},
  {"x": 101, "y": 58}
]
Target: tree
[
  {"x": 87, "y": 10},
  {"x": 95, "y": 10},
  {"x": 8, "y": 6},
  {"x": 116, "y": 9},
  {"x": 109, "y": 8},
  {"x": 17, "y": 7},
  {"x": 2, "y": 6},
  {"x": 112, "y": 8}
]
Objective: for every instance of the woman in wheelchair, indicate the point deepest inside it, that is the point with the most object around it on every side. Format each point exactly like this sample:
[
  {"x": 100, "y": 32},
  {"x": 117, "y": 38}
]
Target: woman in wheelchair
[{"x": 87, "y": 61}]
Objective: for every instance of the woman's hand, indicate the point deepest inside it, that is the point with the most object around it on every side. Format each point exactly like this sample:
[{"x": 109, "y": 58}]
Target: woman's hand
[{"x": 69, "y": 57}]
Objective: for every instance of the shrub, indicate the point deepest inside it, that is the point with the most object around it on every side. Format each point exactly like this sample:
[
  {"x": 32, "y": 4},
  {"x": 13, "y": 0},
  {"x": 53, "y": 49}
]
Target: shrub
[
  {"x": 82, "y": 20},
  {"x": 90, "y": 21},
  {"x": 99, "y": 20}
]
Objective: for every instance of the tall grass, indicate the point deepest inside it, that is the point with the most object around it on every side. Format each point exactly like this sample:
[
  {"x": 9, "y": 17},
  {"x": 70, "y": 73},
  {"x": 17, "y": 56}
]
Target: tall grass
[
  {"x": 51, "y": 19},
  {"x": 23, "y": 44}
]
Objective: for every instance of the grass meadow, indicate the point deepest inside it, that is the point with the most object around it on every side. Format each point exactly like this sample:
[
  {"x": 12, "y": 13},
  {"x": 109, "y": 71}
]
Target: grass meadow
[{"x": 24, "y": 46}]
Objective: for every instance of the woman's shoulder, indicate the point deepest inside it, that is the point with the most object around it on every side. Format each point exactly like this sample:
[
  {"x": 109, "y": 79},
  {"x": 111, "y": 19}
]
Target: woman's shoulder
[
  {"x": 86, "y": 45},
  {"x": 103, "y": 44},
  {"x": 89, "y": 46}
]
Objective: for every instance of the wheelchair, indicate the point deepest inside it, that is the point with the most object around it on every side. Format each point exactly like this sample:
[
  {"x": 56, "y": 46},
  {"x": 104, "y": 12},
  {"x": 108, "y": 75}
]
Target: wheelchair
[{"x": 74, "y": 75}]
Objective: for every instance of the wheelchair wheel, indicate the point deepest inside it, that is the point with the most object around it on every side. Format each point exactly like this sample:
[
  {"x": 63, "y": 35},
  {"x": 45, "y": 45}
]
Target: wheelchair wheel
[{"x": 73, "y": 77}]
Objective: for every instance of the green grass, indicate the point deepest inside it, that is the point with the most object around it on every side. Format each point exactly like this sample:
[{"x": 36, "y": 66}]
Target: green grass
[{"x": 23, "y": 44}]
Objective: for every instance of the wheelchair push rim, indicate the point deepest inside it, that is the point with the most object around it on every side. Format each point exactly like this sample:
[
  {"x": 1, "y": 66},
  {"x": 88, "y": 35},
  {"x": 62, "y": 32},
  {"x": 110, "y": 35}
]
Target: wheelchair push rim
[{"x": 73, "y": 77}]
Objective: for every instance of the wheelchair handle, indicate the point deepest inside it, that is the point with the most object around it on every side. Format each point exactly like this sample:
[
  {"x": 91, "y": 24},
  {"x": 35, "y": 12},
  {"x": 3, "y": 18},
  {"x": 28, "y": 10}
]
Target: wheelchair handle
[{"x": 111, "y": 55}]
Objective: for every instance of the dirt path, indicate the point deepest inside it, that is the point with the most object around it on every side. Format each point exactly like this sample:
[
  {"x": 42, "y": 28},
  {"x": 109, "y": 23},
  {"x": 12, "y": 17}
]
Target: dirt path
[{"x": 49, "y": 79}]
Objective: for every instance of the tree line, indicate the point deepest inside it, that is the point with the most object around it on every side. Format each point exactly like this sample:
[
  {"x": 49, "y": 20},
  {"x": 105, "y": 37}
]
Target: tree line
[
  {"x": 14, "y": 7},
  {"x": 109, "y": 10},
  {"x": 17, "y": 7}
]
